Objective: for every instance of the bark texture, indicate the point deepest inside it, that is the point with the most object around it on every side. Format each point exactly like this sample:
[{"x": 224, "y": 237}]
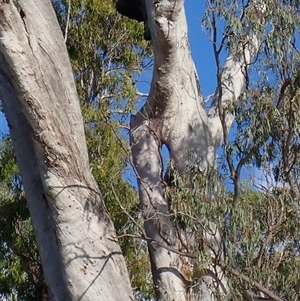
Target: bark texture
[
  {"x": 76, "y": 239},
  {"x": 174, "y": 115}
]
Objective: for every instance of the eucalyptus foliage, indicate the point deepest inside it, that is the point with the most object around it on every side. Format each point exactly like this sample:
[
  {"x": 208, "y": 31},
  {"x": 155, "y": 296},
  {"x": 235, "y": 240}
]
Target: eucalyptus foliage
[
  {"x": 21, "y": 274},
  {"x": 259, "y": 220}
]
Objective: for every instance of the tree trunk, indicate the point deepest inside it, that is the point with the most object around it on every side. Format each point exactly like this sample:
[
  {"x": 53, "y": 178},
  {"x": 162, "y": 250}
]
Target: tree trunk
[
  {"x": 81, "y": 257},
  {"x": 175, "y": 115}
]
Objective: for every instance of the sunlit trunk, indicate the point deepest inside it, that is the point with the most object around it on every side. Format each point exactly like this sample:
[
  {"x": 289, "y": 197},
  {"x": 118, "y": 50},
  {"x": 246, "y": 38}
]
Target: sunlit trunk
[
  {"x": 76, "y": 239},
  {"x": 174, "y": 115}
]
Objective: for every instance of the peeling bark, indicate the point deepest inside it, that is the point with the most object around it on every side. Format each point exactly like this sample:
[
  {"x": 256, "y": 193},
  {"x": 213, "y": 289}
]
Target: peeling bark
[
  {"x": 174, "y": 115},
  {"x": 81, "y": 257}
]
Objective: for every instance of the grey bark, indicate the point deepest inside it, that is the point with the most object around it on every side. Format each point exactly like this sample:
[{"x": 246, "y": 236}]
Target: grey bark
[{"x": 81, "y": 257}]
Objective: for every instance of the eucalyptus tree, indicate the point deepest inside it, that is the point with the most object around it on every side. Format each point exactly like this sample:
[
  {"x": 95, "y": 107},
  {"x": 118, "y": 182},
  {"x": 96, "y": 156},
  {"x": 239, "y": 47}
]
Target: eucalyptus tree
[
  {"x": 194, "y": 228},
  {"x": 179, "y": 232},
  {"x": 175, "y": 115},
  {"x": 75, "y": 235}
]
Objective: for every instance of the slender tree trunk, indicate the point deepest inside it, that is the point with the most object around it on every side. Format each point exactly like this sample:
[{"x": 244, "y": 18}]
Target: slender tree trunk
[
  {"x": 175, "y": 115},
  {"x": 76, "y": 239}
]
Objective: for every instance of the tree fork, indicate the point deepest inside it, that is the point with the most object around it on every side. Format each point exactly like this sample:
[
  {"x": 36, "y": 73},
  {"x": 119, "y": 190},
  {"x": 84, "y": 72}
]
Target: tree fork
[{"x": 174, "y": 115}]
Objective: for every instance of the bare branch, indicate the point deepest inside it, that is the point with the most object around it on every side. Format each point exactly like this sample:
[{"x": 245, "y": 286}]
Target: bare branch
[
  {"x": 256, "y": 284},
  {"x": 68, "y": 20},
  {"x": 232, "y": 79}
]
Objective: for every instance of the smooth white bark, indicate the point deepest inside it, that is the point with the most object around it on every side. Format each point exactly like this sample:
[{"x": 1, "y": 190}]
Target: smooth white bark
[
  {"x": 231, "y": 83},
  {"x": 76, "y": 239},
  {"x": 174, "y": 115}
]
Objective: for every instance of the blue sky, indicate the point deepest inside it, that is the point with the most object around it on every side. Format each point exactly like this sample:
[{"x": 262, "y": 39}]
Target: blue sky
[
  {"x": 3, "y": 124},
  {"x": 201, "y": 47}
]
